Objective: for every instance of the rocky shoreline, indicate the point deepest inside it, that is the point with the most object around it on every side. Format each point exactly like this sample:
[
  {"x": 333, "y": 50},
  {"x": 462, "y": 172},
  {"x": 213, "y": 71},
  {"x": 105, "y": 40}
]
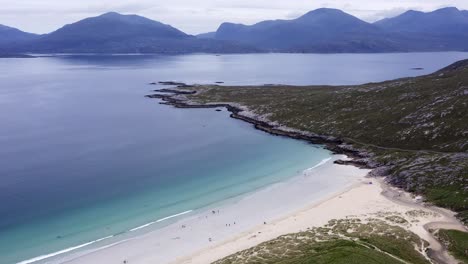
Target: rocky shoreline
[{"x": 362, "y": 159}]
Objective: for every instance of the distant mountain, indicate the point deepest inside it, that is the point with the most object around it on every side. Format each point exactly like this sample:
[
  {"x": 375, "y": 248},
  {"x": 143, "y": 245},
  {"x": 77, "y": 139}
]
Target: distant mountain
[
  {"x": 209, "y": 35},
  {"x": 12, "y": 35},
  {"x": 116, "y": 33},
  {"x": 321, "y": 30},
  {"x": 448, "y": 20},
  {"x": 442, "y": 29}
]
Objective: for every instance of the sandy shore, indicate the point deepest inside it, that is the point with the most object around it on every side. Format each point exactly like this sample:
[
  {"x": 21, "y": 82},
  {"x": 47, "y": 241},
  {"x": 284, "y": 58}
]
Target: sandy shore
[
  {"x": 283, "y": 208},
  {"x": 362, "y": 201}
]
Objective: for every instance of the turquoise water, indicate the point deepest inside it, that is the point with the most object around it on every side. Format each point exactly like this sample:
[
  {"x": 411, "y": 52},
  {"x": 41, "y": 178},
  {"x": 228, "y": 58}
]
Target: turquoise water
[{"x": 84, "y": 155}]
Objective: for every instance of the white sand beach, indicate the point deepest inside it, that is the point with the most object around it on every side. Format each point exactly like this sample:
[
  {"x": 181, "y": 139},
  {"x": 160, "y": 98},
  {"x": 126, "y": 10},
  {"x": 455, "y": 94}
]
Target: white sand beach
[{"x": 280, "y": 209}]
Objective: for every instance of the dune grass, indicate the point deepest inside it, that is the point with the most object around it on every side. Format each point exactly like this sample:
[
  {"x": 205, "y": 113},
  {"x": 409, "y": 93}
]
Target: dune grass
[
  {"x": 344, "y": 241},
  {"x": 456, "y": 242}
]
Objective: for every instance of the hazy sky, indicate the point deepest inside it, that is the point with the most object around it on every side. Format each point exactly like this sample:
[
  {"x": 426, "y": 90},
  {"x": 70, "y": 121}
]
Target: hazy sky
[{"x": 196, "y": 16}]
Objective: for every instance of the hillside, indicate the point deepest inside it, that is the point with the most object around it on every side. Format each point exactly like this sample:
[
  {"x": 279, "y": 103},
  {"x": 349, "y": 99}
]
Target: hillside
[{"x": 9, "y": 35}]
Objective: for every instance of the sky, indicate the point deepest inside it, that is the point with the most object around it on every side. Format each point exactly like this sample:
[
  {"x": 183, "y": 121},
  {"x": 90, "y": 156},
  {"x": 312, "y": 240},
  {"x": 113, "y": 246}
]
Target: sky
[{"x": 198, "y": 16}]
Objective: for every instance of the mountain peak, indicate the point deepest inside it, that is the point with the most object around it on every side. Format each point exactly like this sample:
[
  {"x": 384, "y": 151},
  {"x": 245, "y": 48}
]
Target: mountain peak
[
  {"x": 449, "y": 9},
  {"x": 130, "y": 19},
  {"x": 412, "y": 12},
  {"x": 111, "y": 14},
  {"x": 323, "y": 11},
  {"x": 331, "y": 18}
]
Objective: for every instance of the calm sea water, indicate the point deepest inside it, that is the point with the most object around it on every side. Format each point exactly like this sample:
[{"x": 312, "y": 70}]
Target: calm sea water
[{"x": 83, "y": 155}]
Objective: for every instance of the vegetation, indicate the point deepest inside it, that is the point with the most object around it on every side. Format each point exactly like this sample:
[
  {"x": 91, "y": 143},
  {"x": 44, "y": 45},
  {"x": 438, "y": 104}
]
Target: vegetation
[
  {"x": 456, "y": 242},
  {"x": 341, "y": 241}
]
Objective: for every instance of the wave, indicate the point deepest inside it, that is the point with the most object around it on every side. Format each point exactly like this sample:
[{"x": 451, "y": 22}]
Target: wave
[
  {"x": 32, "y": 260},
  {"x": 320, "y": 163},
  {"x": 160, "y": 220},
  {"x": 62, "y": 251}
]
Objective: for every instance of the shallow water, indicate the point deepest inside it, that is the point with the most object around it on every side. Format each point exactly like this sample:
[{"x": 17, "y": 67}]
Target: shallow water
[{"x": 84, "y": 155}]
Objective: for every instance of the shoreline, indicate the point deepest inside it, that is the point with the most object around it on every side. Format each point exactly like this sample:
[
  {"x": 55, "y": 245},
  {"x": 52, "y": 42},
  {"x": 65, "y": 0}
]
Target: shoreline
[
  {"x": 360, "y": 201},
  {"x": 212, "y": 225},
  {"x": 172, "y": 97}
]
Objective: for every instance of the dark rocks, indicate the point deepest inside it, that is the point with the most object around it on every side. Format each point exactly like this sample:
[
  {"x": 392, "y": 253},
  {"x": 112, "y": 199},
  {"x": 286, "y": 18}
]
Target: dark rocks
[
  {"x": 174, "y": 91},
  {"x": 380, "y": 171},
  {"x": 357, "y": 163},
  {"x": 172, "y": 83}
]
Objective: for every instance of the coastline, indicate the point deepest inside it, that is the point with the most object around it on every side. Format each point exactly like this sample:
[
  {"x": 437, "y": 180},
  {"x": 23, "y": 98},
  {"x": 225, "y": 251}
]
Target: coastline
[
  {"x": 205, "y": 237},
  {"x": 176, "y": 98},
  {"x": 366, "y": 197},
  {"x": 203, "y": 229},
  {"x": 389, "y": 196}
]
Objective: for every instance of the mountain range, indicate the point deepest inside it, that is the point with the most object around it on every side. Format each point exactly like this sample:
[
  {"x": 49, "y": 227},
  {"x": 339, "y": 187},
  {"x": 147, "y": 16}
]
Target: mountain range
[
  {"x": 332, "y": 30},
  {"x": 116, "y": 33},
  {"x": 320, "y": 31}
]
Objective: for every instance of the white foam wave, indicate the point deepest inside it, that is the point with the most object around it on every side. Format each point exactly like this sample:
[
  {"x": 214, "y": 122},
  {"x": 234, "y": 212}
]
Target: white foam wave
[
  {"x": 143, "y": 226},
  {"x": 160, "y": 220},
  {"x": 61, "y": 251},
  {"x": 320, "y": 164},
  {"x": 32, "y": 260}
]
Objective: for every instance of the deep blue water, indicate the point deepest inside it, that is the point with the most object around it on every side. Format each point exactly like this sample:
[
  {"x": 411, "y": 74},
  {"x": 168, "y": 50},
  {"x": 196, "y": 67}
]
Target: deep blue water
[{"x": 84, "y": 155}]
